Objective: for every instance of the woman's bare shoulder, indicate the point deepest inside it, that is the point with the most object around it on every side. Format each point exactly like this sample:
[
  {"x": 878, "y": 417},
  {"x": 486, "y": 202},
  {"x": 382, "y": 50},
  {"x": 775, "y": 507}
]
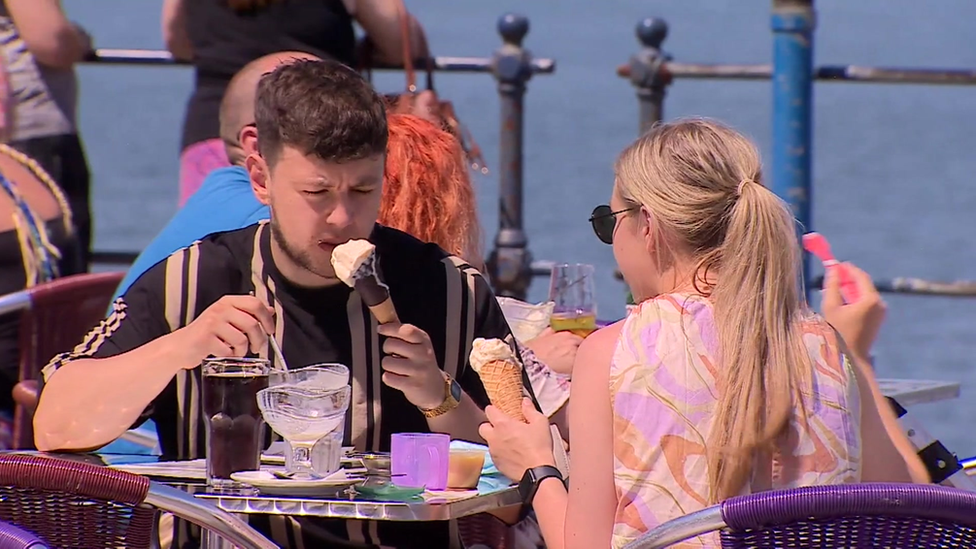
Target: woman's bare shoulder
[{"x": 599, "y": 346}]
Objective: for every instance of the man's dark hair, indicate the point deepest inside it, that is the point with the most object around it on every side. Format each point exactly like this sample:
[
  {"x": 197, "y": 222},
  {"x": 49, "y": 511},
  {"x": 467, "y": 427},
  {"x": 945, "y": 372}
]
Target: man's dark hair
[{"x": 321, "y": 108}]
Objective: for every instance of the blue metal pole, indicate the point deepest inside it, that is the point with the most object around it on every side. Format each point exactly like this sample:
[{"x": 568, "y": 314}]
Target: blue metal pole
[{"x": 793, "y": 22}]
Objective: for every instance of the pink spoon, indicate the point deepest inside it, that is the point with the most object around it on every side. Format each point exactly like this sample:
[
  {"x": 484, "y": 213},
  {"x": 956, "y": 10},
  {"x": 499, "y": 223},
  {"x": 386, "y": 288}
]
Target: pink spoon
[{"x": 816, "y": 244}]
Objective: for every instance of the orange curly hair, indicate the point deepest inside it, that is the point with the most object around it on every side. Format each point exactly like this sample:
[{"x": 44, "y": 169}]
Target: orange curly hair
[{"x": 426, "y": 189}]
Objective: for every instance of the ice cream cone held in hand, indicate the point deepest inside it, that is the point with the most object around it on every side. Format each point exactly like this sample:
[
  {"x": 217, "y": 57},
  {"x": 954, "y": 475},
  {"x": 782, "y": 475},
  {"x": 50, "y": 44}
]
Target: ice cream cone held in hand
[
  {"x": 501, "y": 374},
  {"x": 355, "y": 264}
]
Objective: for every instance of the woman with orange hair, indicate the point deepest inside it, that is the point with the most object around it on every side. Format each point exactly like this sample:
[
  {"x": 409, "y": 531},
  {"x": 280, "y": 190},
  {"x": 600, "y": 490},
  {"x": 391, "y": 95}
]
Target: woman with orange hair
[{"x": 426, "y": 189}]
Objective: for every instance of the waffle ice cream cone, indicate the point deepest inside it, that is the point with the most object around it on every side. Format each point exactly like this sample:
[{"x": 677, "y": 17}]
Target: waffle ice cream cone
[{"x": 501, "y": 374}]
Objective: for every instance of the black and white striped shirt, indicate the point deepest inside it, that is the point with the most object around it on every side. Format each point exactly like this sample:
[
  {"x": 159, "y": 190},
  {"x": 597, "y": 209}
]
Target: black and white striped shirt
[{"x": 440, "y": 294}]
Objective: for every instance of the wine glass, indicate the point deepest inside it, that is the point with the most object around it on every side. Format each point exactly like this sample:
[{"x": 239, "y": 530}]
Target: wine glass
[{"x": 571, "y": 289}]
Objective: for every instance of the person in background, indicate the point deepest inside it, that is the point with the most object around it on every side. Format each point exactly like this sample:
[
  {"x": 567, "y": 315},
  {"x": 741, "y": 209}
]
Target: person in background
[
  {"x": 722, "y": 382},
  {"x": 40, "y": 48},
  {"x": 427, "y": 190},
  {"x": 225, "y": 201},
  {"x": 221, "y": 36},
  {"x": 38, "y": 244}
]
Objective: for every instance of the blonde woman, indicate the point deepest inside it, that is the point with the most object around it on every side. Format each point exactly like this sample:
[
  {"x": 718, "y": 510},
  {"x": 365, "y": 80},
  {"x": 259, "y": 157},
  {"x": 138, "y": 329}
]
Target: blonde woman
[{"x": 722, "y": 382}]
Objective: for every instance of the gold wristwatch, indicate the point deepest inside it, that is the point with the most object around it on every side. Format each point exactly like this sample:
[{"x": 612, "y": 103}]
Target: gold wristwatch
[{"x": 452, "y": 397}]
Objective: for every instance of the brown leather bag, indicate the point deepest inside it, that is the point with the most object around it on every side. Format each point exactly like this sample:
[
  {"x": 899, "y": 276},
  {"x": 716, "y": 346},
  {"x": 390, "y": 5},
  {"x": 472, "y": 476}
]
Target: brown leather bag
[{"x": 426, "y": 103}]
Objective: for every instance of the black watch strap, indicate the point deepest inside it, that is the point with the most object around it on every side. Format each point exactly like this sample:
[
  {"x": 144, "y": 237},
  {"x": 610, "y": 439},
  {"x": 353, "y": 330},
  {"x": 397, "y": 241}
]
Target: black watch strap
[{"x": 529, "y": 484}]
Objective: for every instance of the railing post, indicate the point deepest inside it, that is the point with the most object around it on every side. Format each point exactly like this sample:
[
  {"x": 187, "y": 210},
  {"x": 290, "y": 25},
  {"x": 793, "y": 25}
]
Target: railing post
[
  {"x": 509, "y": 265},
  {"x": 648, "y": 72},
  {"x": 793, "y": 22}
]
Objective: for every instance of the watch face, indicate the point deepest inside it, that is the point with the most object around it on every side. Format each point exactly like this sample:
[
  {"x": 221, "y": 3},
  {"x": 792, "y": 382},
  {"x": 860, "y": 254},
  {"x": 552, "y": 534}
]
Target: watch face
[{"x": 455, "y": 390}]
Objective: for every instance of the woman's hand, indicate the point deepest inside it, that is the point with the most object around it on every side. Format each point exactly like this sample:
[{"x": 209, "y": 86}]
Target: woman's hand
[
  {"x": 515, "y": 446},
  {"x": 858, "y": 322},
  {"x": 557, "y": 350}
]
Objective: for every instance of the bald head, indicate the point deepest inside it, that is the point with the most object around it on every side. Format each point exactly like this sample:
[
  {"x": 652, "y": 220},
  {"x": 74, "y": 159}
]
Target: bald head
[{"x": 237, "y": 106}]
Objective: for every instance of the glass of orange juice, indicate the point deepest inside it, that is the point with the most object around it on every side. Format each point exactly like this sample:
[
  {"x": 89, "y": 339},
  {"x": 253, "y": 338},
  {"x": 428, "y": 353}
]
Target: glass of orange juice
[{"x": 571, "y": 289}]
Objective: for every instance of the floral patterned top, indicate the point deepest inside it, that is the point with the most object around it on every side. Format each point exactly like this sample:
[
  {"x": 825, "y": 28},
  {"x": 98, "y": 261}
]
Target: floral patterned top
[{"x": 663, "y": 395}]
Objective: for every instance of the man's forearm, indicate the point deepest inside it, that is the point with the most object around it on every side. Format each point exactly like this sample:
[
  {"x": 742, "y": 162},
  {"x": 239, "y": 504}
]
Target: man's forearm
[
  {"x": 88, "y": 403},
  {"x": 461, "y": 422}
]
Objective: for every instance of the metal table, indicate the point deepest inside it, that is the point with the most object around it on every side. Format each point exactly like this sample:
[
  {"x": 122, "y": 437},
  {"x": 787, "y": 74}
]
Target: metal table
[
  {"x": 433, "y": 508},
  {"x": 909, "y": 392},
  {"x": 339, "y": 502}
]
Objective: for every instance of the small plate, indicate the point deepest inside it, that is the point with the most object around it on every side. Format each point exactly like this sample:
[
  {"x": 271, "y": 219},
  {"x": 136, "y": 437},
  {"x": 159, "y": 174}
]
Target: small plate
[{"x": 269, "y": 484}]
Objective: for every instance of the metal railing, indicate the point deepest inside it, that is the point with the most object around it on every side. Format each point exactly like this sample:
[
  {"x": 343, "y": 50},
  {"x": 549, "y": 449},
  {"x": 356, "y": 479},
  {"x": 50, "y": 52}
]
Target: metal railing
[
  {"x": 651, "y": 70},
  {"x": 510, "y": 264}
]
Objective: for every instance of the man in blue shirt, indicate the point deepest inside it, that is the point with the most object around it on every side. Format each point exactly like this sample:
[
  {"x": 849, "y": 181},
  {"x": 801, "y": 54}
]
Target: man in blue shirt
[{"x": 225, "y": 201}]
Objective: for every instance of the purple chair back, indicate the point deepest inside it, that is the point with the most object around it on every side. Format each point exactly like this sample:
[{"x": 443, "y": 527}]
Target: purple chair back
[
  {"x": 909, "y": 516},
  {"x": 12, "y": 537}
]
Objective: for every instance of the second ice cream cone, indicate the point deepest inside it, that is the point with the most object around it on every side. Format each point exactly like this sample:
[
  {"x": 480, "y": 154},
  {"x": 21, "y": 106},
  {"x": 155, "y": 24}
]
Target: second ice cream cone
[{"x": 503, "y": 383}]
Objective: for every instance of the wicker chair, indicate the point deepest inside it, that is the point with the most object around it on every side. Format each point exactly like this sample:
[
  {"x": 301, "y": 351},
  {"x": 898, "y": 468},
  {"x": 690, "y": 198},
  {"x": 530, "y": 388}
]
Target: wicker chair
[
  {"x": 12, "y": 537},
  {"x": 55, "y": 316},
  {"x": 848, "y": 516},
  {"x": 76, "y": 505},
  {"x": 485, "y": 530}
]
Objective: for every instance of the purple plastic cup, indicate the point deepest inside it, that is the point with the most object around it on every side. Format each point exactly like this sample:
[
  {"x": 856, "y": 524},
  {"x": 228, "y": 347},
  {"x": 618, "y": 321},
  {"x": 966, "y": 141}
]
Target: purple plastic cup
[{"x": 420, "y": 460}]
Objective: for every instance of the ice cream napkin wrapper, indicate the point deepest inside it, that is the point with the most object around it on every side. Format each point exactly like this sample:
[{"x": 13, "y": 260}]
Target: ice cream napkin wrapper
[{"x": 526, "y": 320}]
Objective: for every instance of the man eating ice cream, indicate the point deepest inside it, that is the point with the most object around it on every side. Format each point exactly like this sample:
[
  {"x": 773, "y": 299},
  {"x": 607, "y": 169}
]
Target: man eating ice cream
[{"x": 321, "y": 139}]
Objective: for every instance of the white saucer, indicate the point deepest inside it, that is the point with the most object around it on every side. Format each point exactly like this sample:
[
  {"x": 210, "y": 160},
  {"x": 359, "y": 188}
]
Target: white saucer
[{"x": 269, "y": 484}]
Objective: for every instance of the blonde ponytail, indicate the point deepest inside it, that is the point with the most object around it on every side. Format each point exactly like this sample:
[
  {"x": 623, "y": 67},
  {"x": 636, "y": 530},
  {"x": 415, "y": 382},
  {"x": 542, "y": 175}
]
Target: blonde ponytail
[
  {"x": 758, "y": 312},
  {"x": 701, "y": 182}
]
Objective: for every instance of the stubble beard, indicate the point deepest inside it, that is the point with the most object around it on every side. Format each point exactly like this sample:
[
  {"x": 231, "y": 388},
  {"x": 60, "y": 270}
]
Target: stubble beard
[{"x": 299, "y": 257}]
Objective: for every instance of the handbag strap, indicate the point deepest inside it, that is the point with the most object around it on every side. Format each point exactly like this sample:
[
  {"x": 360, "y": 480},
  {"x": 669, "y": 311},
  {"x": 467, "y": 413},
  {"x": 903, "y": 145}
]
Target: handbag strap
[
  {"x": 408, "y": 59},
  {"x": 404, "y": 18}
]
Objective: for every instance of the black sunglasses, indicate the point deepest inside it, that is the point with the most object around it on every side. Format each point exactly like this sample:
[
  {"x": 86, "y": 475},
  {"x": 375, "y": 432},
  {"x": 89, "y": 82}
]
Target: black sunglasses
[{"x": 604, "y": 221}]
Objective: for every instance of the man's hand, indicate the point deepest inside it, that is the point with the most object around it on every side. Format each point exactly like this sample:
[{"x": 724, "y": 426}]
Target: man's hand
[
  {"x": 230, "y": 327},
  {"x": 557, "y": 350},
  {"x": 411, "y": 366},
  {"x": 858, "y": 322}
]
